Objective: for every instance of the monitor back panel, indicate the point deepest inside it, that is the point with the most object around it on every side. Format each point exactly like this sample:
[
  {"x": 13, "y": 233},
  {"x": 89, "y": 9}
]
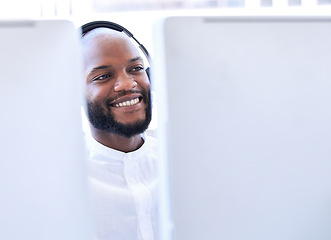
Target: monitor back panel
[
  {"x": 244, "y": 127},
  {"x": 42, "y": 162}
]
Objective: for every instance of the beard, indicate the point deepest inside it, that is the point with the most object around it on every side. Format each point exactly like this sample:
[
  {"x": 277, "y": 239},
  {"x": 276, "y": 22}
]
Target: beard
[{"x": 106, "y": 122}]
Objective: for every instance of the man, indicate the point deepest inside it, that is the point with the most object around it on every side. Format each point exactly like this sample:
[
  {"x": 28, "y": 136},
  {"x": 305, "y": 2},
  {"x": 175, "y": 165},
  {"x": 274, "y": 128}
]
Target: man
[{"x": 121, "y": 161}]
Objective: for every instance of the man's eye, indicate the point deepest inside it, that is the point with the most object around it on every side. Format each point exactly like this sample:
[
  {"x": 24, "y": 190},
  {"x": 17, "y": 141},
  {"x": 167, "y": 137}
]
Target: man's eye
[
  {"x": 137, "y": 69},
  {"x": 102, "y": 77}
]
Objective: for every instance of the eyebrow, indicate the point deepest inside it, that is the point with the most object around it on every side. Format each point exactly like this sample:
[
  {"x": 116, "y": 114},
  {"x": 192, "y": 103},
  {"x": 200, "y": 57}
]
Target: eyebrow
[
  {"x": 135, "y": 59},
  {"x": 109, "y": 66},
  {"x": 100, "y": 67}
]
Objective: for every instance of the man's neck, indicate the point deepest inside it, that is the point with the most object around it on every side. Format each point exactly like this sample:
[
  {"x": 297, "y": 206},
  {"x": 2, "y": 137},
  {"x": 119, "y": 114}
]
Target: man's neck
[{"x": 116, "y": 141}]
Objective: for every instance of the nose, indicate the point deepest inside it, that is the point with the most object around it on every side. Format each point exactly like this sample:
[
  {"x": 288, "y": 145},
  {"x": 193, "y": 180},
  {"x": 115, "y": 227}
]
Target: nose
[{"x": 124, "y": 82}]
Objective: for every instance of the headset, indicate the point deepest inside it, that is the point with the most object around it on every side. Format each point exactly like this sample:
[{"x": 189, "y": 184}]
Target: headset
[{"x": 114, "y": 26}]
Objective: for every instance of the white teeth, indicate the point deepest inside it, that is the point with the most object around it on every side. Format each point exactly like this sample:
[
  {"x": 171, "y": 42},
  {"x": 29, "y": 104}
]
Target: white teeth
[{"x": 127, "y": 103}]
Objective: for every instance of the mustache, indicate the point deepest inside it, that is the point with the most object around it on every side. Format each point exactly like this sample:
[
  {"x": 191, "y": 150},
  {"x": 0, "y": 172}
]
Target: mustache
[{"x": 124, "y": 93}]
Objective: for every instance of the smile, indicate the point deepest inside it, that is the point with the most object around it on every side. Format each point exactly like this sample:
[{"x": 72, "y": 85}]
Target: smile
[{"x": 127, "y": 103}]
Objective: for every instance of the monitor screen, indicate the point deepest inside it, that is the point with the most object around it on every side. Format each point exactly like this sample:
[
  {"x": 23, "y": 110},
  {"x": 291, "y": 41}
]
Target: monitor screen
[
  {"x": 244, "y": 127},
  {"x": 43, "y": 184}
]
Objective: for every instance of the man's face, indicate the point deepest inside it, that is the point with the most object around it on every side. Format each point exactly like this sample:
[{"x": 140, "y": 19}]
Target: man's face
[{"x": 117, "y": 86}]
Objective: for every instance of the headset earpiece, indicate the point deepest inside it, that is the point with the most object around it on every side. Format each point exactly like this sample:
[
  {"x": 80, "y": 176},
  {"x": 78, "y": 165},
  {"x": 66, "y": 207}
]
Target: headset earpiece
[{"x": 148, "y": 73}]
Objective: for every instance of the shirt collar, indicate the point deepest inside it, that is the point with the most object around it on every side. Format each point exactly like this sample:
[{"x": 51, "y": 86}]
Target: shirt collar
[{"x": 97, "y": 150}]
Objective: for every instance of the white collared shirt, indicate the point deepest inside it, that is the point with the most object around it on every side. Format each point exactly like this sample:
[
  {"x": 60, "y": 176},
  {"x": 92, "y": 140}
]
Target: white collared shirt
[{"x": 123, "y": 191}]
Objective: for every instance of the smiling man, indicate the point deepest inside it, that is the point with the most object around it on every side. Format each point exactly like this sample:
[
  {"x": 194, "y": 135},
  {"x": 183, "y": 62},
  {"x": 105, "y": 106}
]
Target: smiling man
[{"x": 121, "y": 160}]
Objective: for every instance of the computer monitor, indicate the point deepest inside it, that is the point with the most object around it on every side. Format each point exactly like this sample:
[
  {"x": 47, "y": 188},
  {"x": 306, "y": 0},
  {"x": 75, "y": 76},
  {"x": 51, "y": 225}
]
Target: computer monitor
[
  {"x": 43, "y": 184},
  {"x": 244, "y": 127}
]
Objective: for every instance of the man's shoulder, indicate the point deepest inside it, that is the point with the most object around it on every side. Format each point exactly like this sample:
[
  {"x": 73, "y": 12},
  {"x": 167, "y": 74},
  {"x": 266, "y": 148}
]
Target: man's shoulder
[
  {"x": 150, "y": 139},
  {"x": 149, "y": 148}
]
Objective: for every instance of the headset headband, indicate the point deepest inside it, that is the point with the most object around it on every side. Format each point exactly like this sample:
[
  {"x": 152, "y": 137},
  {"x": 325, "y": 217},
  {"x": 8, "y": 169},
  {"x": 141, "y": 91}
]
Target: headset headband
[{"x": 105, "y": 24}]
